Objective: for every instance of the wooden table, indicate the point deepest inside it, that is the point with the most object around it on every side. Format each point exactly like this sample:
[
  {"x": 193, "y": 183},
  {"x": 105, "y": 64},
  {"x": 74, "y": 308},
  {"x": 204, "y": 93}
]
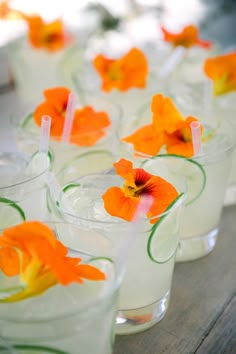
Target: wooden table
[{"x": 201, "y": 318}]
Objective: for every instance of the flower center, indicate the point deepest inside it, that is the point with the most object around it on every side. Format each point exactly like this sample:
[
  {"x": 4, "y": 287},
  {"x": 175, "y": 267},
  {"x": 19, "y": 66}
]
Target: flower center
[
  {"x": 131, "y": 191},
  {"x": 186, "y": 135},
  {"x": 115, "y": 74},
  {"x": 51, "y": 37}
]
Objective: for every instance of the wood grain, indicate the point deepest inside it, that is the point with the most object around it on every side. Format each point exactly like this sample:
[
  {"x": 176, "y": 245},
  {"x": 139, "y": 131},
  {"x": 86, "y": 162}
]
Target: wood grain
[
  {"x": 222, "y": 337},
  {"x": 202, "y": 294}
]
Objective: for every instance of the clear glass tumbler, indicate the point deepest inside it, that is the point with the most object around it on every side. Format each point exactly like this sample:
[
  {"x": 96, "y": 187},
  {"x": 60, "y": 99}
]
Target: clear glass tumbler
[
  {"x": 145, "y": 291},
  {"x": 72, "y": 319}
]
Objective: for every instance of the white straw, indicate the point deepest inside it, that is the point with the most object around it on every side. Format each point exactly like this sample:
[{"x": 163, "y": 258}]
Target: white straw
[
  {"x": 44, "y": 134},
  {"x": 173, "y": 60},
  {"x": 70, "y": 109},
  {"x": 196, "y": 137}
]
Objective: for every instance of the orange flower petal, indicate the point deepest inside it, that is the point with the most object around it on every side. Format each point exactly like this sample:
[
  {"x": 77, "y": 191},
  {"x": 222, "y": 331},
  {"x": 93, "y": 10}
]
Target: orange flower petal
[
  {"x": 187, "y": 38},
  {"x": 163, "y": 193},
  {"x": 222, "y": 71},
  {"x": 57, "y": 121},
  {"x": 165, "y": 114},
  {"x": 89, "y": 272},
  {"x": 135, "y": 70},
  {"x": 124, "y": 168},
  {"x": 86, "y": 138},
  {"x": 117, "y": 204},
  {"x": 124, "y": 73},
  {"x": 31, "y": 233},
  {"x": 180, "y": 141},
  {"x": 9, "y": 261},
  {"x": 88, "y": 126},
  {"x": 35, "y": 25},
  {"x": 58, "y": 96},
  {"x": 180, "y": 148},
  {"x": 146, "y": 140}
]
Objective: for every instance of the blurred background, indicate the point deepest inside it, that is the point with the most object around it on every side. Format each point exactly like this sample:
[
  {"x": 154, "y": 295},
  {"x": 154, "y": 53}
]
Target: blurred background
[
  {"x": 139, "y": 20},
  {"x": 216, "y": 18}
]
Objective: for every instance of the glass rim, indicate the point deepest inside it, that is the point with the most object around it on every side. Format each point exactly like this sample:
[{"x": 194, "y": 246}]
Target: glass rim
[
  {"x": 70, "y": 314},
  {"x": 29, "y": 179},
  {"x": 21, "y": 125},
  {"x": 209, "y": 155},
  {"x": 119, "y": 221}
]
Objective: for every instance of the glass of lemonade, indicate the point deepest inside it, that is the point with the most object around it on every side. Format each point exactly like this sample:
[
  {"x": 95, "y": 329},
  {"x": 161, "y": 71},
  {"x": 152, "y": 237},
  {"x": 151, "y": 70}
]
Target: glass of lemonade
[
  {"x": 27, "y": 131},
  {"x": 22, "y": 188},
  {"x": 36, "y": 69},
  {"x": 200, "y": 219},
  {"x": 143, "y": 302},
  {"x": 72, "y": 319},
  {"x": 199, "y": 222}
]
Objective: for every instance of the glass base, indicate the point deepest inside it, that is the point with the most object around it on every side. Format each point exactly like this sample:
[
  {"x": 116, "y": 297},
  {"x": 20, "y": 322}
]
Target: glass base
[
  {"x": 138, "y": 320},
  {"x": 190, "y": 249},
  {"x": 230, "y": 195}
]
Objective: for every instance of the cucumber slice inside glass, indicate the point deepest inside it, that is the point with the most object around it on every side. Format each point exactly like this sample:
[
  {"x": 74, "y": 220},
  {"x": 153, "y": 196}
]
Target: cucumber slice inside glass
[
  {"x": 164, "y": 237},
  {"x": 177, "y": 166},
  {"x": 10, "y": 213}
]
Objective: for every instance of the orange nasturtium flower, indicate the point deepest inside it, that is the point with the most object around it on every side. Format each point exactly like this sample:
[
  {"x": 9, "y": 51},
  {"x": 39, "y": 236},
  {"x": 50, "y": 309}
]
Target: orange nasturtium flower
[
  {"x": 50, "y": 36},
  {"x": 88, "y": 125},
  {"x": 123, "y": 202},
  {"x": 169, "y": 129},
  {"x": 129, "y": 71},
  {"x": 222, "y": 71},
  {"x": 31, "y": 251},
  {"x": 187, "y": 38}
]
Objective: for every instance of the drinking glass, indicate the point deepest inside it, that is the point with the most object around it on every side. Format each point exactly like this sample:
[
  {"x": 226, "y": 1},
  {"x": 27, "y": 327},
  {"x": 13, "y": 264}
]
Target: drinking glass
[
  {"x": 88, "y": 82},
  {"x": 145, "y": 290},
  {"x": 200, "y": 219},
  {"x": 72, "y": 319},
  {"x": 22, "y": 188},
  {"x": 36, "y": 69}
]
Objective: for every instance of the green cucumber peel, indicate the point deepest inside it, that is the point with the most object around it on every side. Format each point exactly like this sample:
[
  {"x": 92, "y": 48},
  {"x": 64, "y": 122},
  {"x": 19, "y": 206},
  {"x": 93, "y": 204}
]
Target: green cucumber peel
[
  {"x": 154, "y": 228},
  {"x": 191, "y": 161},
  {"x": 13, "y": 205}
]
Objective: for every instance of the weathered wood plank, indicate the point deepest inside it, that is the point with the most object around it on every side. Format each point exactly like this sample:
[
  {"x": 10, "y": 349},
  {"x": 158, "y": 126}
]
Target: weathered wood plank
[
  {"x": 222, "y": 337},
  {"x": 200, "y": 292}
]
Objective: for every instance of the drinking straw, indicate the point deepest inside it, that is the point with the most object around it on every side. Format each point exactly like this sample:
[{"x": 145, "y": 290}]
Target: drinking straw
[
  {"x": 172, "y": 61},
  {"x": 69, "y": 118},
  {"x": 44, "y": 134},
  {"x": 196, "y": 137},
  {"x": 54, "y": 186}
]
